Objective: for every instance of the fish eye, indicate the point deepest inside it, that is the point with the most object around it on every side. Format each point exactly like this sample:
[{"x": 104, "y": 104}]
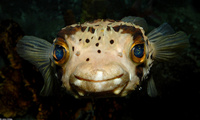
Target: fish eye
[
  {"x": 60, "y": 54},
  {"x": 137, "y": 53},
  {"x": 138, "y": 50}
]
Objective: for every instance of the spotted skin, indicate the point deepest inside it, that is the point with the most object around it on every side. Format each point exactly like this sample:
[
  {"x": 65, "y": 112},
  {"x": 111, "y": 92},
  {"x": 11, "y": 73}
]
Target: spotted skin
[
  {"x": 102, "y": 58},
  {"x": 99, "y": 58}
]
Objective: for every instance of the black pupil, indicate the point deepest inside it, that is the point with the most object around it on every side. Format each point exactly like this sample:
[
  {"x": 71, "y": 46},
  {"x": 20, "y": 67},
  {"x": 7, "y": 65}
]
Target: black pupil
[
  {"x": 139, "y": 50},
  {"x": 58, "y": 52}
]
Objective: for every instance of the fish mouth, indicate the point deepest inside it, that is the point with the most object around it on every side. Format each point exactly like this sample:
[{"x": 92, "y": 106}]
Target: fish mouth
[
  {"x": 79, "y": 78},
  {"x": 88, "y": 87}
]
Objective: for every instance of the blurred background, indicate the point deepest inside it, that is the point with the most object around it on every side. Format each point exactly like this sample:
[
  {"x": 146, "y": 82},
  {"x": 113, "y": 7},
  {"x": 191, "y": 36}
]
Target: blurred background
[{"x": 20, "y": 82}]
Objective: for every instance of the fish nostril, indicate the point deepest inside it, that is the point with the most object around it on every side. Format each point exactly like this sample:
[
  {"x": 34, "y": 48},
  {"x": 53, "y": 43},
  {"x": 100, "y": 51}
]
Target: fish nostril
[
  {"x": 87, "y": 59},
  {"x": 99, "y": 51}
]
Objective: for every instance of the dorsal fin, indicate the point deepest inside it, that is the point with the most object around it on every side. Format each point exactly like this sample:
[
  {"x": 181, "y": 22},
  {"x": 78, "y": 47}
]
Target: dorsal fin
[{"x": 137, "y": 21}]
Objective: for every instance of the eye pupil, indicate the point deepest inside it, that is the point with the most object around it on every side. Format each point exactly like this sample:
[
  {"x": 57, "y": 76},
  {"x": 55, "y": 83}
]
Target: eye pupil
[
  {"x": 139, "y": 50},
  {"x": 58, "y": 52}
]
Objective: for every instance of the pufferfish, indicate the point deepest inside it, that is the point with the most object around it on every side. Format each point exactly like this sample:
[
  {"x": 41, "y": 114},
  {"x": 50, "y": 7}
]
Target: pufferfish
[{"x": 102, "y": 58}]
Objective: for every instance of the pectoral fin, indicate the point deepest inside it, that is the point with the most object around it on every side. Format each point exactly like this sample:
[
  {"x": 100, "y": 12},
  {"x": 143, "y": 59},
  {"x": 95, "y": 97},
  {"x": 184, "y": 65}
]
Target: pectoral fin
[
  {"x": 166, "y": 43},
  {"x": 38, "y": 51},
  {"x": 151, "y": 88}
]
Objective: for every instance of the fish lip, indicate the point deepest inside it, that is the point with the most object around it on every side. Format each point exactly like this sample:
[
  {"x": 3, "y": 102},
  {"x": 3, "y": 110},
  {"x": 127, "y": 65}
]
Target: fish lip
[
  {"x": 99, "y": 88},
  {"x": 89, "y": 80}
]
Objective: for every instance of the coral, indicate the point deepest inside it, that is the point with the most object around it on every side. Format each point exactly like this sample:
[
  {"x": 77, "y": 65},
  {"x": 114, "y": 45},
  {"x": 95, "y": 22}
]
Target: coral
[{"x": 13, "y": 86}]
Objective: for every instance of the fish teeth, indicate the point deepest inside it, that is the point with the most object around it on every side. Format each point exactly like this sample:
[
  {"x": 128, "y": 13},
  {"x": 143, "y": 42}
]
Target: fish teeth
[
  {"x": 118, "y": 90},
  {"x": 124, "y": 93},
  {"x": 117, "y": 81},
  {"x": 78, "y": 82},
  {"x": 98, "y": 86},
  {"x": 81, "y": 93}
]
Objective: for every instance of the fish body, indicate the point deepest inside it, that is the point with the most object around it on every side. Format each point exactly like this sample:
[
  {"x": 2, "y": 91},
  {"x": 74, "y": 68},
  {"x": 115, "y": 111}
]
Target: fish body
[{"x": 102, "y": 58}]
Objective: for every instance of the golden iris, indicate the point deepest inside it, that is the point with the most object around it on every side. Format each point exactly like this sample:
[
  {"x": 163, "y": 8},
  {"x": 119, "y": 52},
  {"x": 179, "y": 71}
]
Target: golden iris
[
  {"x": 137, "y": 52},
  {"x": 60, "y": 53}
]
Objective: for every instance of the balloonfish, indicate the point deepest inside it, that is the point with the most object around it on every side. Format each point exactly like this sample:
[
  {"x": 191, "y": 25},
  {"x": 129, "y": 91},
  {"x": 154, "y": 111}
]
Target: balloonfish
[{"x": 102, "y": 58}]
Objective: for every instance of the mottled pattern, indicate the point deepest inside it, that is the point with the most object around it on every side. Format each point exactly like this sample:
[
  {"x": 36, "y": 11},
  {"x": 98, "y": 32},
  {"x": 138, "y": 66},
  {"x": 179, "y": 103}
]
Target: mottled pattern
[{"x": 100, "y": 59}]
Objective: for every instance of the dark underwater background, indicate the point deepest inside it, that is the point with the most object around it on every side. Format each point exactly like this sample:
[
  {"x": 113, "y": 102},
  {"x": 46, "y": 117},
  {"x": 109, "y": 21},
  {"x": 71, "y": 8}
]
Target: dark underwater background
[{"x": 177, "y": 81}]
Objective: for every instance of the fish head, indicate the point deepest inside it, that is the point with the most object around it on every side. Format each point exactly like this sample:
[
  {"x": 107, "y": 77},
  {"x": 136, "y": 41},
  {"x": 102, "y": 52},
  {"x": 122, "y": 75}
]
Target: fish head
[{"x": 102, "y": 58}]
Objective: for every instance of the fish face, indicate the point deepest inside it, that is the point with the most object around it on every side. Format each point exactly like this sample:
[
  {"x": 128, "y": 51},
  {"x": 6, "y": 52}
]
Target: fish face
[{"x": 102, "y": 57}]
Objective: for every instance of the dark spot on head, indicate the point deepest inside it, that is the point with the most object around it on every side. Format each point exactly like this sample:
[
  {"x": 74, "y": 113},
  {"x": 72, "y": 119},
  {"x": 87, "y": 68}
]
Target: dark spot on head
[
  {"x": 139, "y": 70},
  {"x": 69, "y": 30},
  {"x": 137, "y": 34},
  {"x": 87, "y": 59},
  {"x": 80, "y": 39},
  {"x": 111, "y": 41},
  {"x": 97, "y": 44},
  {"x": 151, "y": 56},
  {"x": 87, "y": 40},
  {"x": 99, "y": 38},
  {"x": 99, "y": 51},
  {"x": 125, "y": 27},
  {"x": 60, "y": 39},
  {"x": 83, "y": 29},
  {"x": 128, "y": 29},
  {"x": 72, "y": 48},
  {"x": 108, "y": 28},
  {"x": 91, "y": 29},
  {"x": 116, "y": 28},
  {"x": 92, "y": 37}
]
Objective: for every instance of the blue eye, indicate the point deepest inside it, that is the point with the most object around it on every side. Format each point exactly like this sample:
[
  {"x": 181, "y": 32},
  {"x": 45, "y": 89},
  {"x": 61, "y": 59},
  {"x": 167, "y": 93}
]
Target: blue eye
[
  {"x": 59, "y": 52},
  {"x": 139, "y": 50}
]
